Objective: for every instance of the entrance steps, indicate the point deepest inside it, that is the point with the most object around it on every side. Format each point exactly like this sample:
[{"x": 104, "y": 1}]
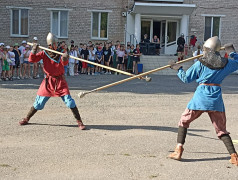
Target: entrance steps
[{"x": 152, "y": 62}]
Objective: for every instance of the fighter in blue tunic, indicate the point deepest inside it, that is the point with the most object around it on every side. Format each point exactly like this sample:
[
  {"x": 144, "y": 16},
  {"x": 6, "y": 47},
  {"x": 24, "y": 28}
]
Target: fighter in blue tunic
[{"x": 209, "y": 73}]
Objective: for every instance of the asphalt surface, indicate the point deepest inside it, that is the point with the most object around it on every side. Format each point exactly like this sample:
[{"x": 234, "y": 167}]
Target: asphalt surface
[{"x": 132, "y": 128}]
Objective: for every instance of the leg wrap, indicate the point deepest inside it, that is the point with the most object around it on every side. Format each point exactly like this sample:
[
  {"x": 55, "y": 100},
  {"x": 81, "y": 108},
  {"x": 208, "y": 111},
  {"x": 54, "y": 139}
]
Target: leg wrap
[
  {"x": 181, "y": 135},
  {"x": 76, "y": 113},
  {"x": 31, "y": 112},
  {"x": 228, "y": 143}
]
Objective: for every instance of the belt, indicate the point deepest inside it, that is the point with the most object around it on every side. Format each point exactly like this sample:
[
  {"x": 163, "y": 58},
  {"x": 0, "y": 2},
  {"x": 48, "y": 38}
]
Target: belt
[{"x": 210, "y": 84}]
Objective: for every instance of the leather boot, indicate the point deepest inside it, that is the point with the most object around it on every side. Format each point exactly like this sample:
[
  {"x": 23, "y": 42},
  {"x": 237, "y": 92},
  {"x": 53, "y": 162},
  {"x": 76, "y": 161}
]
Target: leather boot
[
  {"x": 25, "y": 120},
  {"x": 234, "y": 159},
  {"x": 78, "y": 118},
  {"x": 177, "y": 154}
]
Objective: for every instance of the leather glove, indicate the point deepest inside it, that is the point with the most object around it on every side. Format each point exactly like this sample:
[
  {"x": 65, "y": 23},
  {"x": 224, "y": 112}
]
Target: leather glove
[
  {"x": 174, "y": 65},
  {"x": 229, "y": 48},
  {"x": 35, "y": 48},
  {"x": 65, "y": 56}
]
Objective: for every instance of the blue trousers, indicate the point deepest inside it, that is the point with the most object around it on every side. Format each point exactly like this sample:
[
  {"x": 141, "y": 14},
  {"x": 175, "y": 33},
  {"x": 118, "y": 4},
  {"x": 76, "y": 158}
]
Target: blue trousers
[{"x": 41, "y": 100}]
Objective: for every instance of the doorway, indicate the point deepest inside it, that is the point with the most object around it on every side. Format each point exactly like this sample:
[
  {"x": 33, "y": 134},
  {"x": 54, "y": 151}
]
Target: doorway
[{"x": 156, "y": 28}]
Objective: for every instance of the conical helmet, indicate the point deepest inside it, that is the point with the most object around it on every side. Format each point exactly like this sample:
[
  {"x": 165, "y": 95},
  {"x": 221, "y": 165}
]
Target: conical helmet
[
  {"x": 51, "y": 39},
  {"x": 211, "y": 55},
  {"x": 213, "y": 43}
]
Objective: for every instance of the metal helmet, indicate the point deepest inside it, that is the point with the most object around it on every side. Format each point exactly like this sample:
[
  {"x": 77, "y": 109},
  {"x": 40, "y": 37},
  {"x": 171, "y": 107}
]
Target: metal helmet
[
  {"x": 51, "y": 39},
  {"x": 211, "y": 55},
  {"x": 213, "y": 43}
]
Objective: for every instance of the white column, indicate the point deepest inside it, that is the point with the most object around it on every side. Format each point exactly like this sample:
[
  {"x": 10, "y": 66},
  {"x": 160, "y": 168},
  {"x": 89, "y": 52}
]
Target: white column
[
  {"x": 138, "y": 27},
  {"x": 184, "y": 25}
]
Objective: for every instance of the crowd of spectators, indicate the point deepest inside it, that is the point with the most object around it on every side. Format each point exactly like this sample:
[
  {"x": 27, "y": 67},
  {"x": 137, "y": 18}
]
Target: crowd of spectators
[{"x": 14, "y": 64}]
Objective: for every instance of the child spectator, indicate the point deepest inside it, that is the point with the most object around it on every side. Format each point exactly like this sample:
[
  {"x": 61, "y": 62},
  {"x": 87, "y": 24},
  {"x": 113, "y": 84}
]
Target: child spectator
[
  {"x": 76, "y": 65},
  {"x": 35, "y": 65},
  {"x": 22, "y": 50},
  {"x": 114, "y": 55},
  {"x": 17, "y": 53},
  {"x": 99, "y": 59},
  {"x": 107, "y": 58},
  {"x": 127, "y": 51},
  {"x": 80, "y": 62},
  {"x": 5, "y": 67},
  {"x": 11, "y": 56},
  {"x": 71, "y": 61},
  {"x": 84, "y": 55},
  {"x": 26, "y": 63},
  {"x": 1, "y": 61},
  {"x": 120, "y": 55},
  {"x": 136, "y": 58},
  {"x": 130, "y": 59},
  {"x": 91, "y": 58}
]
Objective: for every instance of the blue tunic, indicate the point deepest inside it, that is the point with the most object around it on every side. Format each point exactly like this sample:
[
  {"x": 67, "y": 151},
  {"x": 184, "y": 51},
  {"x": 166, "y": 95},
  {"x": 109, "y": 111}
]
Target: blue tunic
[{"x": 208, "y": 97}]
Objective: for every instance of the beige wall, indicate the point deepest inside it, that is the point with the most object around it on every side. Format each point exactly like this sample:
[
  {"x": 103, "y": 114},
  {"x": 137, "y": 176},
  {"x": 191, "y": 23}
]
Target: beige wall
[
  {"x": 229, "y": 25},
  {"x": 79, "y": 19}
]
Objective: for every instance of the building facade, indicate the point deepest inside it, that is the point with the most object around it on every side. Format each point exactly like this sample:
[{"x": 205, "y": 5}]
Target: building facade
[
  {"x": 124, "y": 20},
  {"x": 78, "y": 20}
]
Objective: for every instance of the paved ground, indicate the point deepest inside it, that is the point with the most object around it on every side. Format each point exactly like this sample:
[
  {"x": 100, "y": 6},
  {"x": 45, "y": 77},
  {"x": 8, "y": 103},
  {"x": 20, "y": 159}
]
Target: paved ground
[{"x": 132, "y": 128}]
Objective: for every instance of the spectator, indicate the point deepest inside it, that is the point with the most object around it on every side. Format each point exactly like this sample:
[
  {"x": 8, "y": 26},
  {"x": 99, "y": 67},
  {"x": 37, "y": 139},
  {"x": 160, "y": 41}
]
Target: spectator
[
  {"x": 22, "y": 50},
  {"x": 193, "y": 40},
  {"x": 80, "y": 62},
  {"x": 157, "y": 44},
  {"x": 107, "y": 58},
  {"x": 121, "y": 56},
  {"x": 35, "y": 65},
  {"x": 136, "y": 58},
  {"x": 71, "y": 60},
  {"x": 11, "y": 56},
  {"x": 198, "y": 52},
  {"x": 76, "y": 65},
  {"x": 26, "y": 63},
  {"x": 125, "y": 58},
  {"x": 127, "y": 61},
  {"x": 5, "y": 67},
  {"x": 113, "y": 54},
  {"x": 180, "y": 48},
  {"x": 99, "y": 60},
  {"x": 17, "y": 59},
  {"x": 91, "y": 58},
  {"x": 130, "y": 59},
  {"x": 84, "y": 55},
  {"x": 1, "y": 59},
  {"x": 145, "y": 39}
]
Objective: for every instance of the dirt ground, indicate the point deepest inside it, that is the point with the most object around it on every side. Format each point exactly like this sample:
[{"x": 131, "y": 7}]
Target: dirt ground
[{"x": 131, "y": 129}]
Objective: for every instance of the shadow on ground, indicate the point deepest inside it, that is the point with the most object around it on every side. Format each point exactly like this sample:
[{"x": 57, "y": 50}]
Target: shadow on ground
[
  {"x": 159, "y": 84},
  {"x": 131, "y": 127}
]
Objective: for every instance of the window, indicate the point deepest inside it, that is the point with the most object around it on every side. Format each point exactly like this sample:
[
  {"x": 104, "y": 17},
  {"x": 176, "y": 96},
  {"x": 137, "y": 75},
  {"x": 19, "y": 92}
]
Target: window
[
  {"x": 212, "y": 27},
  {"x": 59, "y": 23},
  {"x": 19, "y": 22},
  {"x": 99, "y": 25}
]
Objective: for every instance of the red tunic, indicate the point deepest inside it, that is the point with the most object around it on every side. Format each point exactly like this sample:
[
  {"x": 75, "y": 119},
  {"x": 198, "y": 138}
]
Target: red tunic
[{"x": 54, "y": 85}]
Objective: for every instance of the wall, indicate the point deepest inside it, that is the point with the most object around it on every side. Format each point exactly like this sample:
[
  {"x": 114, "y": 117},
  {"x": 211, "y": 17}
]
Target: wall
[{"x": 79, "y": 19}]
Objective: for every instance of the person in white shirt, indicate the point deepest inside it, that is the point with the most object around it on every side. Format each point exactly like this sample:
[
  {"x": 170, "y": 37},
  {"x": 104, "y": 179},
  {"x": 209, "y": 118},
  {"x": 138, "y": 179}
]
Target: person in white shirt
[
  {"x": 11, "y": 56},
  {"x": 91, "y": 58},
  {"x": 22, "y": 50},
  {"x": 72, "y": 52}
]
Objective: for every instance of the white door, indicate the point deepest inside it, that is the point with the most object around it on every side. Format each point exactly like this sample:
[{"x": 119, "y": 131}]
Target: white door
[{"x": 171, "y": 34}]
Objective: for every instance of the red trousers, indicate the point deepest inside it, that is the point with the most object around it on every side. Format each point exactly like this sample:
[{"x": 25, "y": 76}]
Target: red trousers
[{"x": 218, "y": 120}]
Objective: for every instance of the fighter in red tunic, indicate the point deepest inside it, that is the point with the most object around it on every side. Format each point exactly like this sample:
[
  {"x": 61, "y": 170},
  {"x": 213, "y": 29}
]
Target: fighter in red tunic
[{"x": 54, "y": 84}]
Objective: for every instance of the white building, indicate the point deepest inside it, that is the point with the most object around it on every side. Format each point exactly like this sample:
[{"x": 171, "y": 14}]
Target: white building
[{"x": 165, "y": 18}]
